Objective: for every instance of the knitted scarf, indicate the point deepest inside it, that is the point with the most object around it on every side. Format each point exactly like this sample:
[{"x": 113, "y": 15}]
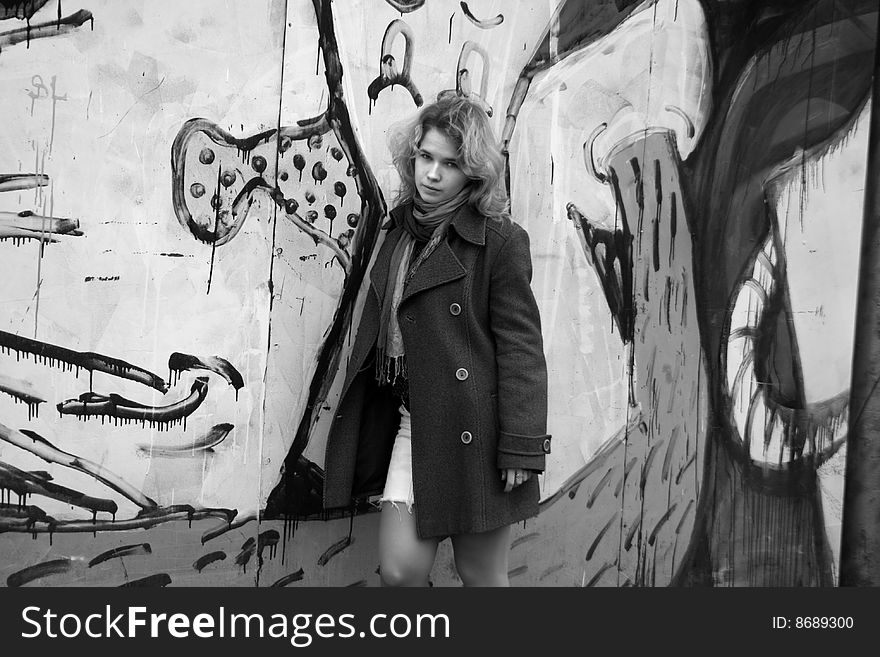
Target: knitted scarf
[{"x": 425, "y": 222}]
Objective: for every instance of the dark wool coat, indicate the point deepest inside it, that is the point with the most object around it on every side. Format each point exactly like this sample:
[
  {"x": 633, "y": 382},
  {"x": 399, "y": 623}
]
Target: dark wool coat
[{"x": 477, "y": 383}]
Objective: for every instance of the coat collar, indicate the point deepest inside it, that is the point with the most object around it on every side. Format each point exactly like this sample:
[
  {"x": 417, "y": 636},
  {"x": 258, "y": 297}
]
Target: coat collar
[
  {"x": 467, "y": 222},
  {"x": 441, "y": 267}
]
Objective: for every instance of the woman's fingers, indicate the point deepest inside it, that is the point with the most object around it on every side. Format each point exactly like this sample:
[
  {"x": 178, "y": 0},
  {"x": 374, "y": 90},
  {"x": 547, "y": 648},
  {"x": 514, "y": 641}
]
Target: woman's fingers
[
  {"x": 514, "y": 477},
  {"x": 507, "y": 478}
]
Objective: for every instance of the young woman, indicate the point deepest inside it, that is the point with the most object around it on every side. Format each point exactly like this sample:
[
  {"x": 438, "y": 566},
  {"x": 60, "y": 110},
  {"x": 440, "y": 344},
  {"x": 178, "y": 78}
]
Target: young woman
[{"x": 444, "y": 406}]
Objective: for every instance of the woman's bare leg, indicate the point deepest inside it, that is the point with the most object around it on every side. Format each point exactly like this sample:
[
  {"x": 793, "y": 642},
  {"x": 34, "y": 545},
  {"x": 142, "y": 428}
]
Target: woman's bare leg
[
  {"x": 481, "y": 559},
  {"x": 404, "y": 558}
]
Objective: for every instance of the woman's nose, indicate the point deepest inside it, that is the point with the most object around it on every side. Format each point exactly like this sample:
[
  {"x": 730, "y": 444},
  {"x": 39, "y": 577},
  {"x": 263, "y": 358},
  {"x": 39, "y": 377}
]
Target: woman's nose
[{"x": 434, "y": 172}]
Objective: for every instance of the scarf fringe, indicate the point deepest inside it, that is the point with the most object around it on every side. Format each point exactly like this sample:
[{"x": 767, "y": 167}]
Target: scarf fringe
[{"x": 390, "y": 368}]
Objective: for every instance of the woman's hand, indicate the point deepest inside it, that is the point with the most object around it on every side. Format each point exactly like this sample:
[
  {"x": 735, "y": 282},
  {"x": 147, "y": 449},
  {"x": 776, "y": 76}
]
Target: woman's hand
[{"x": 514, "y": 477}]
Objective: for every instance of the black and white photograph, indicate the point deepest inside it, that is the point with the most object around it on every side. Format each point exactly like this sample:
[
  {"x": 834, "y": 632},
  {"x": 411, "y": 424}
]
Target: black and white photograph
[{"x": 439, "y": 294}]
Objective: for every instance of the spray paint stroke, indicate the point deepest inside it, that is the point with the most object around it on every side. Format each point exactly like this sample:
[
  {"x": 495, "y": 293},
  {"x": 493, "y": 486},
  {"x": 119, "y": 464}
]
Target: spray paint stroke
[
  {"x": 39, "y": 446},
  {"x": 122, "y": 551},
  {"x": 600, "y": 535},
  {"x": 22, "y": 392},
  {"x": 214, "y": 437},
  {"x": 19, "y": 236},
  {"x": 630, "y": 464},
  {"x": 524, "y": 539},
  {"x": 22, "y": 525},
  {"x": 26, "y": 225},
  {"x": 54, "y": 355},
  {"x": 25, "y": 516},
  {"x": 21, "y": 9},
  {"x": 406, "y": 6},
  {"x": 179, "y": 362},
  {"x": 595, "y": 578},
  {"x": 10, "y": 182},
  {"x": 141, "y": 521},
  {"x": 463, "y": 84},
  {"x": 388, "y": 73},
  {"x": 485, "y": 24},
  {"x": 209, "y": 558},
  {"x": 289, "y": 579},
  {"x": 31, "y": 573},
  {"x": 670, "y": 451},
  {"x": 23, "y": 484},
  {"x": 90, "y": 404},
  {"x": 47, "y": 29},
  {"x": 22, "y": 511},
  {"x": 222, "y": 529},
  {"x": 630, "y": 535},
  {"x": 652, "y": 538},
  {"x": 591, "y": 500},
  {"x": 37, "y": 223},
  {"x": 549, "y": 571},
  {"x": 267, "y": 539},
  {"x": 248, "y": 548},
  {"x": 158, "y": 580},
  {"x": 334, "y": 549}
]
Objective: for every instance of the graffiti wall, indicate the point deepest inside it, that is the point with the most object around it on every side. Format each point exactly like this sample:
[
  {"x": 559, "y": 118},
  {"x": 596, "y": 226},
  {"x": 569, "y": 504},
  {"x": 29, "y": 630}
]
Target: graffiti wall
[{"x": 190, "y": 198}]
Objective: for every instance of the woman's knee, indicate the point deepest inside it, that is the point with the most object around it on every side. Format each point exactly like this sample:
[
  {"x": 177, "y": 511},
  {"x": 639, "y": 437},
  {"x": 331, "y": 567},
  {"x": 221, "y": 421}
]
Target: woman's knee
[
  {"x": 482, "y": 559},
  {"x": 482, "y": 572},
  {"x": 399, "y": 573},
  {"x": 404, "y": 558}
]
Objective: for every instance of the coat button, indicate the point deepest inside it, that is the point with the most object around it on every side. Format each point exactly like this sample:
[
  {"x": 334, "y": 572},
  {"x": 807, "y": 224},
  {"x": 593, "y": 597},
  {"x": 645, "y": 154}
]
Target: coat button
[
  {"x": 461, "y": 374},
  {"x": 455, "y": 309},
  {"x": 466, "y": 437},
  {"x": 546, "y": 445}
]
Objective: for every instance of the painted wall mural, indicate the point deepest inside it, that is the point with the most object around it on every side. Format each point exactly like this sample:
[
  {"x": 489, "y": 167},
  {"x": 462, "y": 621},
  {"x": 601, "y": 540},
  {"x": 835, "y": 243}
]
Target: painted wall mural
[{"x": 190, "y": 198}]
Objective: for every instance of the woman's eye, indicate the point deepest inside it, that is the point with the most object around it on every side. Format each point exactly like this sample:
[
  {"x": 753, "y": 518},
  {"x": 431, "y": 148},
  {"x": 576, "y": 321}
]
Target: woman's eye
[{"x": 452, "y": 165}]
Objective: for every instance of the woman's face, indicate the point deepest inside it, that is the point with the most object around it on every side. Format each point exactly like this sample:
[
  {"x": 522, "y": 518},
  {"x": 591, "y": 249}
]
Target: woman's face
[{"x": 438, "y": 177}]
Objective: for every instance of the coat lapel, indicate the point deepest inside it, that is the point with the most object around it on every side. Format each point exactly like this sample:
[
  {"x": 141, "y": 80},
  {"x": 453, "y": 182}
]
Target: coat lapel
[{"x": 441, "y": 267}]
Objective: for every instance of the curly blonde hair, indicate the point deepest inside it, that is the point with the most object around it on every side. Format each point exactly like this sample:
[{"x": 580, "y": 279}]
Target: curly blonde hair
[{"x": 479, "y": 154}]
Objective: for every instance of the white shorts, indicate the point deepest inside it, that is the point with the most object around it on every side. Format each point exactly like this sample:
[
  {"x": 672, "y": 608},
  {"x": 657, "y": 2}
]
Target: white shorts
[{"x": 399, "y": 482}]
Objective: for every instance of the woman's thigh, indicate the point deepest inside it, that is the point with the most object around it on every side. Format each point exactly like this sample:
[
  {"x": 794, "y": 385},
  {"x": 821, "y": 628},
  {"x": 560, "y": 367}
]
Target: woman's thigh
[
  {"x": 404, "y": 558},
  {"x": 481, "y": 559}
]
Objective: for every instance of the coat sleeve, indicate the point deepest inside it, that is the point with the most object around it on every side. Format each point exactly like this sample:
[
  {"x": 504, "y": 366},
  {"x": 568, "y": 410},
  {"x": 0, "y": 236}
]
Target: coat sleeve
[{"x": 519, "y": 350}]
